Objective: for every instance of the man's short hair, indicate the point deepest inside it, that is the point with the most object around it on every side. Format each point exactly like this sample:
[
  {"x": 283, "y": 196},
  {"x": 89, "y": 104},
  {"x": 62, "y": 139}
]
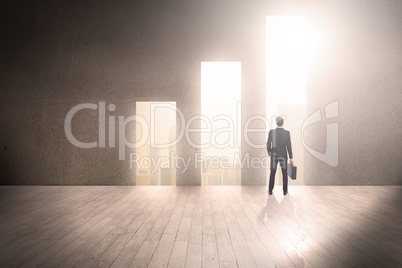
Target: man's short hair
[{"x": 279, "y": 121}]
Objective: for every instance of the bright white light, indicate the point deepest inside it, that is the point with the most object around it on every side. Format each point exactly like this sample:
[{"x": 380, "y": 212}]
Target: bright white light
[
  {"x": 286, "y": 46},
  {"x": 220, "y": 84},
  {"x": 220, "y": 92}
]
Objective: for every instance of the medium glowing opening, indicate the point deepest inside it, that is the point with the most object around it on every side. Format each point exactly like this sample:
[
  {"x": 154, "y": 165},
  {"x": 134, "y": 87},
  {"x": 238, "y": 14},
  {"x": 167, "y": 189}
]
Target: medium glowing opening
[{"x": 220, "y": 98}]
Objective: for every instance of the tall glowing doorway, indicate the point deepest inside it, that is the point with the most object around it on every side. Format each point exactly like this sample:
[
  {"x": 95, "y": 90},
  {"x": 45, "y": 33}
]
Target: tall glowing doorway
[
  {"x": 220, "y": 109},
  {"x": 286, "y": 78}
]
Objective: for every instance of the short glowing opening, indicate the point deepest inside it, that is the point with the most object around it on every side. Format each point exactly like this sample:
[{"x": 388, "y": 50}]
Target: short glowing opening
[{"x": 160, "y": 123}]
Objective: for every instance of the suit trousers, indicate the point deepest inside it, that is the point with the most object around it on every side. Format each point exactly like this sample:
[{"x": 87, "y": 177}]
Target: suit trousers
[{"x": 283, "y": 165}]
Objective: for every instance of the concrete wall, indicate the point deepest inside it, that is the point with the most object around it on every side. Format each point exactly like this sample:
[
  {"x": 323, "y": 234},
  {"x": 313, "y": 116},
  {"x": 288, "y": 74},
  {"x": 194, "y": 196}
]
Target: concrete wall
[
  {"x": 363, "y": 72},
  {"x": 57, "y": 54}
]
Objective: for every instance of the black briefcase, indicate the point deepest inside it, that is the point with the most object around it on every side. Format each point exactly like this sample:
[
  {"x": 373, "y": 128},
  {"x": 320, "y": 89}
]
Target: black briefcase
[{"x": 292, "y": 171}]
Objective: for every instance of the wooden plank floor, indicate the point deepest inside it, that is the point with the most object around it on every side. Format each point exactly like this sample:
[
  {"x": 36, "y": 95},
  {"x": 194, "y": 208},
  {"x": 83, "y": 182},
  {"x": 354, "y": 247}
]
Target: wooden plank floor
[{"x": 207, "y": 226}]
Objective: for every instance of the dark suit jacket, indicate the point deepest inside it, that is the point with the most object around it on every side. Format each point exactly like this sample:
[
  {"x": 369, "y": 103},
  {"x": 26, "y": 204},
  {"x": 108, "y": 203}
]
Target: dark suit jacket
[{"x": 279, "y": 144}]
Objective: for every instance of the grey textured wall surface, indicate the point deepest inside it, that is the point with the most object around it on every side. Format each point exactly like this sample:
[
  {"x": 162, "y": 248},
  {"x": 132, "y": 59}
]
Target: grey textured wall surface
[
  {"x": 57, "y": 54},
  {"x": 364, "y": 74}
]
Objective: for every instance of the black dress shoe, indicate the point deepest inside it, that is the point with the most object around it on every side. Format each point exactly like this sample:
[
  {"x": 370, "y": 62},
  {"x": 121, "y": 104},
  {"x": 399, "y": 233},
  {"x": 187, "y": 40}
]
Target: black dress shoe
[
  {"x": 269, "y": 192},
  {"x": 285, "y": 193}
]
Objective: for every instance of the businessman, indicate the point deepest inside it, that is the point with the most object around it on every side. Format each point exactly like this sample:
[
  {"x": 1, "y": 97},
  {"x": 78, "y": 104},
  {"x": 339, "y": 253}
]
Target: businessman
[{"x": 279, "y": 146}]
